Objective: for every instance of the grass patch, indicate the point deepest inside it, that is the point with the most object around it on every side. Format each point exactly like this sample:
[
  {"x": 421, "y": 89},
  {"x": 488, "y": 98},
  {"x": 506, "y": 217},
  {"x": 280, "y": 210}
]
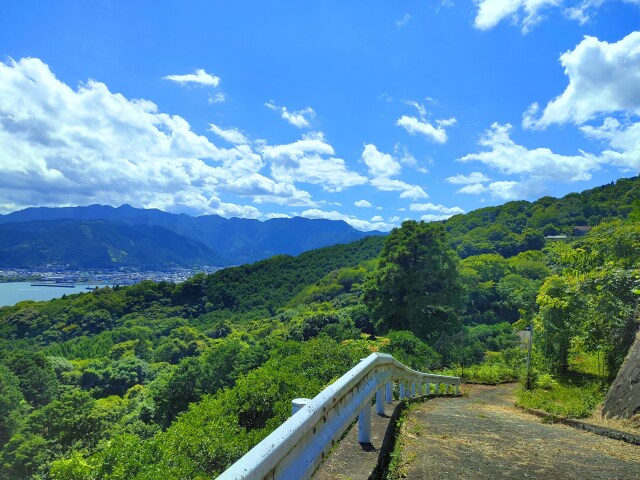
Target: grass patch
[
  {"x": 487, "y": 373},
  {"x": 569, "y": 398}
]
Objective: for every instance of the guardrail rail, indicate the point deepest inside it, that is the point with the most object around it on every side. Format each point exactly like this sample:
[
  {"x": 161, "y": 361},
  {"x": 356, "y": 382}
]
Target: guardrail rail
[{"x": 297, "y": 447}]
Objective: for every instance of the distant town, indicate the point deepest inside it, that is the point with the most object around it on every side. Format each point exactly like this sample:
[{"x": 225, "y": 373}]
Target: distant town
[{"x": 104, "y": 277}]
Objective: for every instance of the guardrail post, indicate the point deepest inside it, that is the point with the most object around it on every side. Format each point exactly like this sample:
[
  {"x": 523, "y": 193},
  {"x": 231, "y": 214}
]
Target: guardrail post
[
  {"x": 401, "y": 395},
  {"x": 379, "y": 402},
  {"x": 389, "y": 392},
  {"x": 457, "y": 389},
  {"x": 297, "y": 404},
  {"x": 428, "y": 389},
  {"x": 364, "y": 424},
  {"x": 413, "y": 390}
]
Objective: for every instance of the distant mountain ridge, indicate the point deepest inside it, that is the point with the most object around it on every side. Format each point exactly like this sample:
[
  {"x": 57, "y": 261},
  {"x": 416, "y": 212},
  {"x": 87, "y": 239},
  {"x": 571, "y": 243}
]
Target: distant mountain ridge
[{"x": 26, "y": 237}]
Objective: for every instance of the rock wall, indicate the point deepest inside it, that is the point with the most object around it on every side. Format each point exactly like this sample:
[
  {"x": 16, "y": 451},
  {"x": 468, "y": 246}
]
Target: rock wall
[{"x": 623, "y": 398}]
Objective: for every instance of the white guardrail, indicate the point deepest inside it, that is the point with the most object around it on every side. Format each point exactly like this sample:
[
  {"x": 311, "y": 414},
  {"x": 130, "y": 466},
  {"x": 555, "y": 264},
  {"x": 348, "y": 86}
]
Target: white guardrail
[{"x": 297, "y": 447}]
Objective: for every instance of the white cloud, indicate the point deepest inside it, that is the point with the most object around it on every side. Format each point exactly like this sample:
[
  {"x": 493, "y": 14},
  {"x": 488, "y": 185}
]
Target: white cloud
[
  {"x": 380, "y": 164},
  {"x": 231, "y": 135},
  {"x": 434, "y": 218},
  {"x": 526, "y": 13},
  {"x": 218, "y": 97},
  {"x": 381, "y": 167},
  {"x": 298, "y": 118},
  {"x": 60, "y": 146},
  {"x": 362, "y": 204},
  {"x": 422, "y": 111},
  {"x": 405, "y": 156},
  {"x": 377, "y": 218},
  {"x": 404, "y": 20},
  {"x": 509, "y": 158},
  {"x": 473, "y": 189},
  {"x": 277, "y": 215},
  {"x": 473, "y": 177},
  {"x": 199, "y": 77},
  {"x": 413, "y": 192},
  {"x": 430, "y": 207},
  {"x": 395, "y": 219},
  {"x": 310, "y": 160},
  {"x": 623, "y": 142},
  {"x": 414, "y": 126},
  {"x": 603, "y": 78},
  {"x": 506, "y": 190},
  {"x": 355, "y": 222}
]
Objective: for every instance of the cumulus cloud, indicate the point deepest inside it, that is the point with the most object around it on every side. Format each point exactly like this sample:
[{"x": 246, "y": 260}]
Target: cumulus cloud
[
  {"x": 526, "y": 13},
  {"x": 412, "y": 192},
  {"x": 64, "y": 146},
  {"x": 414, "y": 126},
  {"x": 431, "y": 217},
  {"x": 298, "y": 118},
  {"x": 622, "y": 141},
  {"x": 473, "y": 189},
  {"x": 381, "y": 167},
  {"x": 380, "y": 164},
  {"x": 603, "y": 78},
  {"x": 510, "y": 158},
  {"x": 362, "y": 204},
  {"x": 422, "y": 126},
  {"x": 311, "y": 160},
  {"x": 377, "y": 218},
  {"x": 231, "y": 135},
  {"x": 198, "y": 77},
  {"x": 430, "y": 207},
  {"x": 473, "y": 177},
  {"x": 355, "y": 222}
]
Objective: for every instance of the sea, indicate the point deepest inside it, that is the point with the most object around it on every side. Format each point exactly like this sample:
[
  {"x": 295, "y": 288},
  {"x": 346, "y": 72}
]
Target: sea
[{"x": 14, "y": 292}]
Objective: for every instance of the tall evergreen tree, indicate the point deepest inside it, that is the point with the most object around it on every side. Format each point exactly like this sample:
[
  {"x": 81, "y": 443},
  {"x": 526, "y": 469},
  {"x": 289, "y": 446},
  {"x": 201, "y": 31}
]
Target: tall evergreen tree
[{"x": 416, "y": 286}]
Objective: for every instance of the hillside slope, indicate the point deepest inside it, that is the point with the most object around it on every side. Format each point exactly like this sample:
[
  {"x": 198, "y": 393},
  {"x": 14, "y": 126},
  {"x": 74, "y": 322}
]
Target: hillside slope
[
  {"x": 98, "y": 244},
  {"x": 235, "y": 240}
]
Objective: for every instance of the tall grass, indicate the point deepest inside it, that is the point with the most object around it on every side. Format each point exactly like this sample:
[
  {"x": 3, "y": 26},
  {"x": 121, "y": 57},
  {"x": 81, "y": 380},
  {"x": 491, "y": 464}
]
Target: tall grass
[{"x": 575, "y": 401}]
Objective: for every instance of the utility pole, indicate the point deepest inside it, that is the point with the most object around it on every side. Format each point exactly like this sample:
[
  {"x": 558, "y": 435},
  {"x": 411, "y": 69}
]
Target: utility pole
[{"x": 529, "y": 355}]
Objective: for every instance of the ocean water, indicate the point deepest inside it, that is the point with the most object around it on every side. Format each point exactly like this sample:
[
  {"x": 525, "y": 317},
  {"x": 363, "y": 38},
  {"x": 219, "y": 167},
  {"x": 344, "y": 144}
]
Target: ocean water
[{"x": 14, "y": 292}]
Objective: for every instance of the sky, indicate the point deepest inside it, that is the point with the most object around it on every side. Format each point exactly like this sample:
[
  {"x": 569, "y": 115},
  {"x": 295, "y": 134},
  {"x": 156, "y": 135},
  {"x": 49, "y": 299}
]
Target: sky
[{"x": 371, "y": 112}]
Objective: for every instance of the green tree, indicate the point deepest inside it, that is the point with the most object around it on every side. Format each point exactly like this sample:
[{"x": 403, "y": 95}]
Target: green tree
[{"x": 417, "y": 285}]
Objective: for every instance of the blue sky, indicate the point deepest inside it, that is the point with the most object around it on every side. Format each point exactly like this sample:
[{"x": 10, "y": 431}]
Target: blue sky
[{"x": 370, "y": 112}]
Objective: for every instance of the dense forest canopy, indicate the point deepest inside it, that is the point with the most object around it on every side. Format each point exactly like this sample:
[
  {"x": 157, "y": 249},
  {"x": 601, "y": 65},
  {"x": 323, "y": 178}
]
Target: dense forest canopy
[{"x": 163, "y": 380}]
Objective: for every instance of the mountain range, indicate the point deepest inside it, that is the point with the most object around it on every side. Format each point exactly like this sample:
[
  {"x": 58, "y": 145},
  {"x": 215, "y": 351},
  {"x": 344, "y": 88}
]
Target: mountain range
[{"x": 100, "y": 236}]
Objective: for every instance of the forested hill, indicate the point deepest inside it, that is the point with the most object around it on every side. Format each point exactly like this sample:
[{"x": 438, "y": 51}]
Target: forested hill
[
  {"x": 257, "y": 289},
  {"x": 231, "y": 241},
  {"x": 98, "y": 244},
  {"x": 520, "y": 225},
  {"x": 169, "y": 381}
]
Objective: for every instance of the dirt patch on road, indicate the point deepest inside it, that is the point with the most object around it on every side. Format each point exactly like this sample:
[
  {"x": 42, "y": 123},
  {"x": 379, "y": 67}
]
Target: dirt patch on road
[{"x": 482, "y": 436}]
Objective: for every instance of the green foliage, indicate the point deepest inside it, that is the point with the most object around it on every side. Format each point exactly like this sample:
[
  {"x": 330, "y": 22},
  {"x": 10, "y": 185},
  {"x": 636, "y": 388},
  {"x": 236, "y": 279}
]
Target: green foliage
[
  {"x": 484, "y": 373},
  {"x": 416, "y": 286},
  {"x": 502, "y": 289},
  {"x": 11, "y": 406},
  {"x": 160, "y": 381},
  {"x": 36, "y": 377},
  {"x": 591, "y": 299},
  {"x": 270, "y": 284},
  {"x": 576, "y": 401},
  {"x": 410, "y": 350},
  {"x": 519, "y": 226}
]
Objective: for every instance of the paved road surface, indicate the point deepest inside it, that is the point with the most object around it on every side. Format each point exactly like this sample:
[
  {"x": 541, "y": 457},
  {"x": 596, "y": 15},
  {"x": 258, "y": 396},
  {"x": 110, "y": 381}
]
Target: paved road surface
[{"x": 482, "y": 436}]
